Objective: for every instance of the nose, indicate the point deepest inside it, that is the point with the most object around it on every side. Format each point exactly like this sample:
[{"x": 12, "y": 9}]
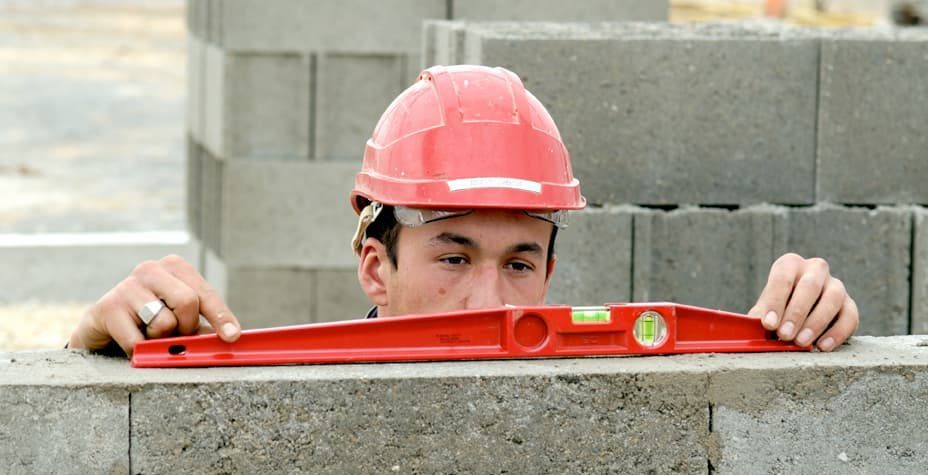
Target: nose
[{"x": 486, "y": 289}]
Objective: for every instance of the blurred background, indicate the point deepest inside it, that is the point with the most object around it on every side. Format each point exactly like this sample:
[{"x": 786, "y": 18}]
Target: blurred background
[{"x": 92, "y": 125}]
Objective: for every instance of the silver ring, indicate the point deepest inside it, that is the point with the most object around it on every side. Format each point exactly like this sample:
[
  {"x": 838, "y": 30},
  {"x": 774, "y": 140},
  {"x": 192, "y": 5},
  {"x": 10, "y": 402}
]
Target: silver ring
[{"x": 150, "y": 310}]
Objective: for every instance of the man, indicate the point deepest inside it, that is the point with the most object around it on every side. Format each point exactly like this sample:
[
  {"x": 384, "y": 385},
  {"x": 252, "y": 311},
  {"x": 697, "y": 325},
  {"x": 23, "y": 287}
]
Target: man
[{"x": 464, "y": 186}]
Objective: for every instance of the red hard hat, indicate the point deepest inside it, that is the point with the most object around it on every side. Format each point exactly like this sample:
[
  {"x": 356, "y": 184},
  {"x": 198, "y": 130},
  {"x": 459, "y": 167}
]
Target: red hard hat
[{"x": 467, "y": 137}]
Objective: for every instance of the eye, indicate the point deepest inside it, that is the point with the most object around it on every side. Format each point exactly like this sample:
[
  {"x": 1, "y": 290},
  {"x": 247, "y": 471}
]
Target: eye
[
  {"x": 454, "y": 260},
  {"x": 519, "y": 266}
]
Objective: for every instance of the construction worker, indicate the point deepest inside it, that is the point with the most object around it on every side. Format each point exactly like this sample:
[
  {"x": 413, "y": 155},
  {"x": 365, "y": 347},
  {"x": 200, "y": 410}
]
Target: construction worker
[{"x": 464, "y": 187}]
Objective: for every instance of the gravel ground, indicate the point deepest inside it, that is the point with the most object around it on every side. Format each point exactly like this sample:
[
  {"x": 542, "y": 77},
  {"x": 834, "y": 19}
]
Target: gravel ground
[{"x": 91, "y": 115}]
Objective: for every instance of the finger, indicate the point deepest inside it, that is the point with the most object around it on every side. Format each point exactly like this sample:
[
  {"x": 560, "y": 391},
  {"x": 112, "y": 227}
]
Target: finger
[
  {"x": 825, "y": 311},
  {"x": 182, "y": 301},
  {"x": 212, "y": 306},
  {"x": 122, "y": 326},
  {"x": 846, "y": 324},
  {"x": 136, "y": 295},
  {"x": 772, "y": 300},
  {"x": 807, "y": 291}
]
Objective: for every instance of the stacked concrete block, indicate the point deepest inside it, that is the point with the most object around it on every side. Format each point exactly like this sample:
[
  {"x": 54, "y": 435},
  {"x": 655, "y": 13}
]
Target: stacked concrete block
[
  {"x": 283, "y": 103},
  {"x": 869, "y": 250},
  {"x": 675, "y": 115},
  {"x": 707, "y": 257},
  {"x": 660, "y": 114},
  {"x": 70, "y": 412},
  {"x": 872, "y": 133},
  {"x": 594, "y": 258},
  {"x": 282, "y": 98}
]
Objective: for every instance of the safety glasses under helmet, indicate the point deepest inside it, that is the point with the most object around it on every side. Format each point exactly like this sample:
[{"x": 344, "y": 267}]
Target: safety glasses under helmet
[{"x": 413, "y": 217}]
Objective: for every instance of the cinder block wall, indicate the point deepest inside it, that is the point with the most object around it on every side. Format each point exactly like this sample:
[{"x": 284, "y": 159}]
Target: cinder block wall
[
  {"x": 69, "y": 412},
  {"x": 282, "y": 96},
  {"x": 706, "y": 151}
]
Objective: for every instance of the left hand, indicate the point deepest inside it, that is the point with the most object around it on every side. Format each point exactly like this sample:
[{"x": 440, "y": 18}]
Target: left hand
[{"x": 804, "y": 304}]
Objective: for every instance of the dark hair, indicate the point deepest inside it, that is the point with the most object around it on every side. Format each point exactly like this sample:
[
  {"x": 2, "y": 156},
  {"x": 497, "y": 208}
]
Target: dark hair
[{"x": 386, "y": 230}]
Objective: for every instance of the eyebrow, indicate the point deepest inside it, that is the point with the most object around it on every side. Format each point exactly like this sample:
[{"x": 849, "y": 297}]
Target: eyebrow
[{"x": 452, "y": 238}]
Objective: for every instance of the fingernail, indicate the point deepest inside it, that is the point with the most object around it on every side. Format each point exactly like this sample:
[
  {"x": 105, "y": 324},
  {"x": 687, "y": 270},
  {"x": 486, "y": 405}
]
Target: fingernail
[
  {"x": 827, "y": 344},
  {"x": 770, "y": 319},
  {"x": 786, "y": 331},
  {"x": 804, "y": 338},
  {"x": 229, "y": 330}
]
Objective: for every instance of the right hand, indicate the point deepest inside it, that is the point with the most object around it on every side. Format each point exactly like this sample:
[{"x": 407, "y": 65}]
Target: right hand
[{"x": 186, "y": 295}]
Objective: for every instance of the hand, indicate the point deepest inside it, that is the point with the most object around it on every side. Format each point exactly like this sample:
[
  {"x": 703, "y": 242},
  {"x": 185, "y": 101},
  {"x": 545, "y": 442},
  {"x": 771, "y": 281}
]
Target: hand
[
  {"x": 186, "y": 295},
  {"x": 803, "y": 303}
]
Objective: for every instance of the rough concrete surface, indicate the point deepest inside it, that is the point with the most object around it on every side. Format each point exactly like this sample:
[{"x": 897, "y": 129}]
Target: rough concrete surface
[
  {"x": 339, "y": 295},
  {"x": 594, "y": 258},
  {"x": 872, "y": 140},
  {"x": 390, "y": 26},
  {"x": 557, "y": 10},
  {"x": 287, "y": 214},
  {"x": 683, "y": 114},
  {"x": 869, "y": 250},
  {"x": 266, "y": 110},
  {"x": 854, "y": 410},
  {"x": 704, "y": 256},
  {"x": 920, "y": 273},
  {"x": 349, "y": 103},
  {"x": 73, "y": 431}
]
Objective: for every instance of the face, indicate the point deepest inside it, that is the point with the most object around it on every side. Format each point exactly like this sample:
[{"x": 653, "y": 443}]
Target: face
[{"x": 488, "y": 258}]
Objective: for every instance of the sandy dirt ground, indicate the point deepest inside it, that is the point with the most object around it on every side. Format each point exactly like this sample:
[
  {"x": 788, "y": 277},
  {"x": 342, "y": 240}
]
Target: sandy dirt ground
[{"x": 34, "y": 325}]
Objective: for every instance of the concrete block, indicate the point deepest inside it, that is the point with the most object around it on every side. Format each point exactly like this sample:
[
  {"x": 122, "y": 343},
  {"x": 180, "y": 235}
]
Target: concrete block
[
  {"x": 213, "y": 23},
  {"x": 68, "y": 430},
  {"x": 211, "y": 180},
  {"x": 339, "y": 296},
  {"x": 668, "y": 114},
  {"x": 869, "y": 250},
  {"x": 383, "y": 27},
  {"x": 442, "y": 42},
  {"x": 283, "y": 213},
  {"x": 438, "y": 422},
  {"x": 555, "y": 10},
  {"x": 734, "y": 413},
  {"x": 873, "y": 107},
  {"x": 196, "y": 63},
  {"x": 193, "y": 180},
  {"x": 270, "y": 297},
  {"x": 350, "y": 102},
  {"x": 267, "y": 106},
  {"x": 79, "y": 267},
  {"x": 706, "y": 257},
  {"x": 594, "y": 258},
  {"x": 776, "y": 419},
  {"x": 213, "y": 100},
  {"x": 197, "y": 16},
  {"x": 920, "y": 273},
  {"x": 267, "y": 297}
]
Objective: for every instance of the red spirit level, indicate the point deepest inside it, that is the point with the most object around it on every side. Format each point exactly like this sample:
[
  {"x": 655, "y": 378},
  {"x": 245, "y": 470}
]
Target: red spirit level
[{"x": 508, "y": 332}]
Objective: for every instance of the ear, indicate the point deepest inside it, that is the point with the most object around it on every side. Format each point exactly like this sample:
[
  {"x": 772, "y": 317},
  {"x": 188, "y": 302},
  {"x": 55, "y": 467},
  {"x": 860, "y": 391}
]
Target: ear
[
  {"x": 551, "y": 264},
  {"x": 372, "y": 271}
]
